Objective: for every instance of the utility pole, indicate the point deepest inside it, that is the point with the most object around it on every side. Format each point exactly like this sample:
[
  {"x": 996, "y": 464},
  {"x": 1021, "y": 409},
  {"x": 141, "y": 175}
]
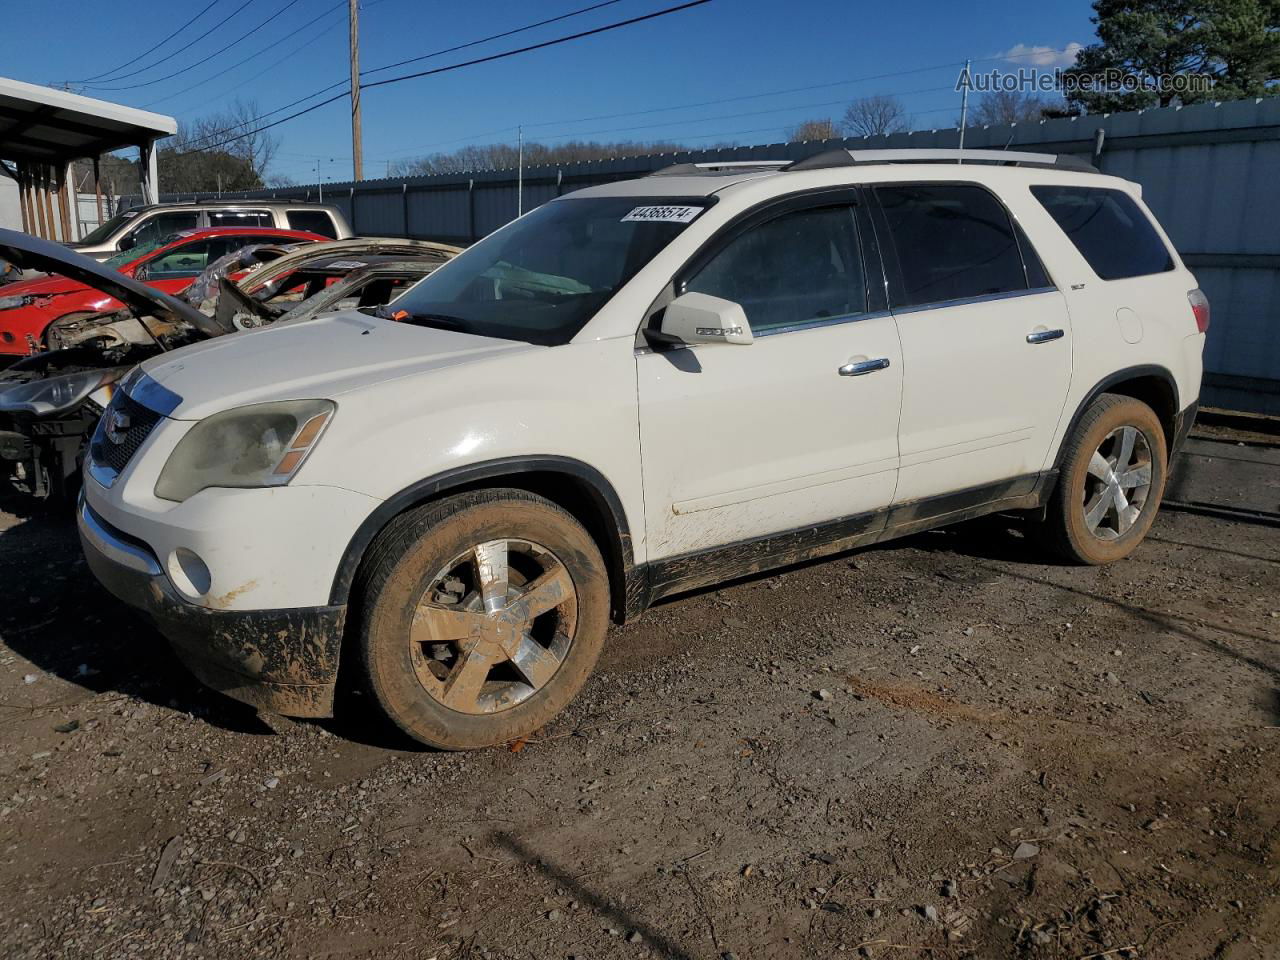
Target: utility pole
[
  {"x": 357, "y": 148},
  {"x": 964, "y": 105},
  {"x": 519, "y": 171}
]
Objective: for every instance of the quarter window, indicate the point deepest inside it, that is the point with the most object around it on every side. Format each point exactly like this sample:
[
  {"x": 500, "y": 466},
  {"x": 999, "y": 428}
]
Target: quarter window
[
  {"x": 953, "y": 242},
  {"x": 313, "y": 221},
  {"x": 1108, "y": 229},
  {"x": 800, "y": 267}
]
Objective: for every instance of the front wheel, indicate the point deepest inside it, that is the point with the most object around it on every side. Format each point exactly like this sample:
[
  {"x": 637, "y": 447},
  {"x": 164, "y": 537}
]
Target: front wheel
[
  {"x": 483, "y": 617},
  {"x": 1110, "y": 484}
]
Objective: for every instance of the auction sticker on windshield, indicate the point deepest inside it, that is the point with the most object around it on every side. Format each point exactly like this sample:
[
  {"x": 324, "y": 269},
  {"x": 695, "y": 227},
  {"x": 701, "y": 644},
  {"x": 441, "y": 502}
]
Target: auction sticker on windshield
[{"x": 664, "y": 214}]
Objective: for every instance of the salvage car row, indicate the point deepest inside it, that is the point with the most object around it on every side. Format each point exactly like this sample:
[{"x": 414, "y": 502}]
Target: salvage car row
[{"x": 72, "y": 331}]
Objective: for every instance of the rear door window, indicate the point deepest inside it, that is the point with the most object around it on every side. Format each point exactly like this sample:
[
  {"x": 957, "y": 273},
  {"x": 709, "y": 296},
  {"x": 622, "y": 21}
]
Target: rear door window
[
  {"x": 241, "y": 218},
  {"x": 953, "y": 242},
  {"x": 799, "y": 268},
  {"x": 1111, "y": 232},
  {"x": 313, "y": 221}
]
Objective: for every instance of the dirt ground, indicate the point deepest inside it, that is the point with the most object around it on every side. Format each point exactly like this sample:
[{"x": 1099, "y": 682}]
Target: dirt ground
[{"x": 941, "y": 747}]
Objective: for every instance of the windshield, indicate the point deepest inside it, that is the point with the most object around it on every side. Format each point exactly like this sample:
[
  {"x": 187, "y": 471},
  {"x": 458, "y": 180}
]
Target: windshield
[
  {"x": 141, "y": 250},
  {"x": 107, "y": 229},
  {"x": 543, "y": 277}
]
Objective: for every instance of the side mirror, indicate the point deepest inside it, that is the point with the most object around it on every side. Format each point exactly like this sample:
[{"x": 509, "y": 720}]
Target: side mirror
[
  {"x": 700, "y": 318},
  {"x": 127, "y": 243}
]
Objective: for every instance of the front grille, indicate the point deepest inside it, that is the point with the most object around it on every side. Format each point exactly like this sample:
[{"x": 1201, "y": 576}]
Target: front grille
[{"x": 114, "y": 448}]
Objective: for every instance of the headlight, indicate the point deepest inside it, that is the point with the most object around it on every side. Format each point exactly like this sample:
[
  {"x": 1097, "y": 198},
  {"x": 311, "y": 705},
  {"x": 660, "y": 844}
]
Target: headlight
[
  {"x": 55, "y": 394},
  {"x": 261, "y": 445},
  {"x": 13, "y": 303}
]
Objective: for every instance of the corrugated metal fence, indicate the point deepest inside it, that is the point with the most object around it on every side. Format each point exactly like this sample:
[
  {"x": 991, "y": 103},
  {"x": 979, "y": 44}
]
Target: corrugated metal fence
[{"x": 1211, "y": 172}]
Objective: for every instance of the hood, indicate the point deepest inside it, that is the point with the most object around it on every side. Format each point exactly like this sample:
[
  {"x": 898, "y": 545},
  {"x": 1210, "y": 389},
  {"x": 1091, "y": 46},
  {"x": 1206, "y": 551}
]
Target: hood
[
  {"x": 29, "y": 252},
  {"x": 41, "y": 286},
  {"x": 310, "y": 359}
]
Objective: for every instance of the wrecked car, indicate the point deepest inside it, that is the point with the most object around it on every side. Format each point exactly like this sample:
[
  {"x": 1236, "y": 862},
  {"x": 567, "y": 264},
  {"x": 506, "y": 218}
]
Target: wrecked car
[
  {"x": 56, "y": 311},
  {"x": 50, "y": 402},
  {"x": 318, "y": 278},
  {"x": 342, "y": 285}
]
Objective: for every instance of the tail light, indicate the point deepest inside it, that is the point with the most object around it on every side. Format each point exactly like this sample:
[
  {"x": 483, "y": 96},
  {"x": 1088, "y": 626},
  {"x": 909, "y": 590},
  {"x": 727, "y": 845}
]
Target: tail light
[{"x": 1200, "y": 307}]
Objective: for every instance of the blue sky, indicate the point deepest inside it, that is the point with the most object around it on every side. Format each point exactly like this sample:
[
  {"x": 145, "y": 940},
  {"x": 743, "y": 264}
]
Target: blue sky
[{"x": 724, "y": 49}]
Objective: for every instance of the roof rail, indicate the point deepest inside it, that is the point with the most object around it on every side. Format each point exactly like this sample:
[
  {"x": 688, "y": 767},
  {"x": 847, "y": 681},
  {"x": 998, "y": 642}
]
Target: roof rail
[
  {"x": 1008, "y": 158},
  {"x": 724, "y": 166}
]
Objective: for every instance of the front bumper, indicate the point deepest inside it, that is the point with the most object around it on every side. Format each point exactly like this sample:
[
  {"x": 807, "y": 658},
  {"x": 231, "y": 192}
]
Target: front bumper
[{"x": 283, "y": 661}]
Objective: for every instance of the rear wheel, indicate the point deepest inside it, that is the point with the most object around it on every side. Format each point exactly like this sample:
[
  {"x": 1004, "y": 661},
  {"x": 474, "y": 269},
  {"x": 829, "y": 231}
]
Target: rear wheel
[
  {"x": 484, "y": 615},
  {"x": 1110, "y": 484}
]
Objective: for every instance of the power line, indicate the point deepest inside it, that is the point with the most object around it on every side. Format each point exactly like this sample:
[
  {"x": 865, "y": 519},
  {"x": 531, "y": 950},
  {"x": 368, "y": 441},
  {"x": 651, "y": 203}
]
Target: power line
[
  {"x": 170, "y": 56},
  {"x": 738, "y": 133},
  {"x": 203, "y": 60},
  {"x": 727, "y": 116},
  {"x": 154, "y": 47},
  {"x": 276, "y": 61},
  {"x": 752, "y": 96},
  {"x": 455, "y": 66},
  {"x": 706, "y": 103},
  {"x": 797, "y": 106},
  {"x": 539, "y": 46},
  {"x": 774, "y": 127},
  {"x": 344, "y": 83},
  {"x": 689, "y": 106},
  {"x": 496, "y": 36}
]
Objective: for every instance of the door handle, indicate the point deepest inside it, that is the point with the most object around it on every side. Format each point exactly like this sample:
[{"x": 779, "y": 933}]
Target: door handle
[
  {"x": 1045, "y": 336},
  {"x": 863, "y": 367}
]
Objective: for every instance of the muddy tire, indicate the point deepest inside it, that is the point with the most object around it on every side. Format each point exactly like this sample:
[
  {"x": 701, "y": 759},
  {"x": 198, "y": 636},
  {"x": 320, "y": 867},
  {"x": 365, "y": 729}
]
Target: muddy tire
[
  {"x": 1110, "y": 484},
  {"x": 483, "y": 616}
]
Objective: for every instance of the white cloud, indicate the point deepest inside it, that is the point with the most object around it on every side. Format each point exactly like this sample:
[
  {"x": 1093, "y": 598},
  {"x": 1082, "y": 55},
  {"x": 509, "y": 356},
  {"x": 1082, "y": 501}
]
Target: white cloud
[{"x": 1047, "y": 58}]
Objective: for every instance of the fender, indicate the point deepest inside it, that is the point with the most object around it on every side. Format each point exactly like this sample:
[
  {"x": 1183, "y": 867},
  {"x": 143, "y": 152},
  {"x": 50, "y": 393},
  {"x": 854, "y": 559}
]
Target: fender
[
  {"x": 618, "y": 554},
  {"x": 1128, "y": 373}
]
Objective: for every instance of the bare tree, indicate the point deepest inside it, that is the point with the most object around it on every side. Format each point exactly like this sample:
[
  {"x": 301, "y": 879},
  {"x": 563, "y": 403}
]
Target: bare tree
[
  {"x": 814, "y": 130},
  {"x": 876, "y": 116},
  {"x": 253, "y": 145},
  {"x": 221, "y": 151},
  {"x": 1003, "y": 107}
]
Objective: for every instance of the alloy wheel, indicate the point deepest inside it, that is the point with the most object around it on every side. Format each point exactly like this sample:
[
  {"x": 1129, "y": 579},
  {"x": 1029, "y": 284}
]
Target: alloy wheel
[
  {"x": 1118, "y": 483},
  {"x": 493, "y": 626}
]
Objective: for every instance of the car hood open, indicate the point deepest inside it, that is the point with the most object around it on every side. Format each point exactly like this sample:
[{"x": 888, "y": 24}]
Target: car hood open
[
  {"x": 324, "y": 357},
  {"x": 29, "y": 252}
]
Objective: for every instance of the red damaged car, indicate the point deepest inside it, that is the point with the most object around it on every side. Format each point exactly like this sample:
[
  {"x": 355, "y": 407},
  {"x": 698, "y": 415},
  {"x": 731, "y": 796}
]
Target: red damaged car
[{"x": 29, "y": 307}]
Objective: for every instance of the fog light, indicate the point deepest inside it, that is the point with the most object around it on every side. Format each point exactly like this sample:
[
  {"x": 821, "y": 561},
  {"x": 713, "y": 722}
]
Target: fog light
[{"x": 189, "y": 573}]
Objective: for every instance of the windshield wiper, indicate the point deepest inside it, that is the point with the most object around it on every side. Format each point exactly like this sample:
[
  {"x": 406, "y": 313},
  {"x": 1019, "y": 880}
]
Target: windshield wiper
[{"x": 443, "y": 320}]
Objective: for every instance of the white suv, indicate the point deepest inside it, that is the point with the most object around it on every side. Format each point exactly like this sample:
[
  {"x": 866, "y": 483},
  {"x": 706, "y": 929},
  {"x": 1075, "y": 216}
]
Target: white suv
[{"x": 636, "y": 390}]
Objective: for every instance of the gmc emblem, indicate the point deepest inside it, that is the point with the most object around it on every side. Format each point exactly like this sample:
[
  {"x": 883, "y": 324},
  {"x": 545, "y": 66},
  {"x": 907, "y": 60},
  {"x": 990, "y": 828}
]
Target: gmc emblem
[{"x": 117, "y": 425}]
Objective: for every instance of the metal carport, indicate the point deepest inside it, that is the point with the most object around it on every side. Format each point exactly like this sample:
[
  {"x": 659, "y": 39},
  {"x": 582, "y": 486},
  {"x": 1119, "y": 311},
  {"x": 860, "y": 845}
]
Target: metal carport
[{"x": 42, "y": 130}]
